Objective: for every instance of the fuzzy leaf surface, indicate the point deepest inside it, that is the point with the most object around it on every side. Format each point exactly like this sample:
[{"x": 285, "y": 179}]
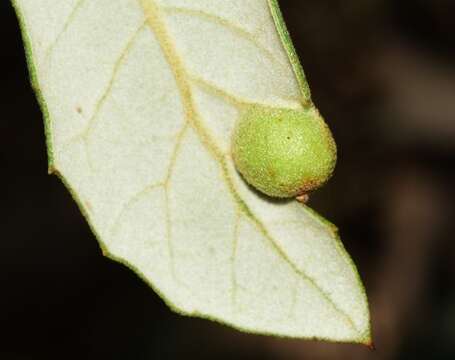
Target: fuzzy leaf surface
[{"x": 140, "y": 99}]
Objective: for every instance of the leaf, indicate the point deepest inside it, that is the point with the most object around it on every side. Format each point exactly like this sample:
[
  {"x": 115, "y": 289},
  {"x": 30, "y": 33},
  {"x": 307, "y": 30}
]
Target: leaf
[{"x": 140, "y": 98}]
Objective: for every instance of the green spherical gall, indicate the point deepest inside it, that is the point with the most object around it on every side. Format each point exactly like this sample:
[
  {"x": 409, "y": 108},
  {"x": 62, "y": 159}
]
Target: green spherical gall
[{"x": 283, "y": 152}]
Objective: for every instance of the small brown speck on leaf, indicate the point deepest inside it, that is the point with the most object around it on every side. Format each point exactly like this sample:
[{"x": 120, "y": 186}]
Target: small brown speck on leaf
[{"x": 88, "y": 205}]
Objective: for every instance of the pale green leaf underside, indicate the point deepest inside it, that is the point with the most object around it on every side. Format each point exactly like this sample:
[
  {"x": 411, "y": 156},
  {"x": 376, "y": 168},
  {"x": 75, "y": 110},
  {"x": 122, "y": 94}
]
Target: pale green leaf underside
[{"x": 140, "y": 98}]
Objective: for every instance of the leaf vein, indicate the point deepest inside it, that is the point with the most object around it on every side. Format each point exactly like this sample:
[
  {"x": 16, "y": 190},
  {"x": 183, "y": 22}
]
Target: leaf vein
[
  {"x": 85, "y": 134},
  {"x": 66, "y": 25},
  {"x": 239, "y": 31},
  {"x": 148, "y": 189}
]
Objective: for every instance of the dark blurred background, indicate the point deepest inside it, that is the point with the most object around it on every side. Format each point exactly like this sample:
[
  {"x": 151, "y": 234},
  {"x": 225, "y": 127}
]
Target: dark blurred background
[{"x": 383, "y": 75}]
